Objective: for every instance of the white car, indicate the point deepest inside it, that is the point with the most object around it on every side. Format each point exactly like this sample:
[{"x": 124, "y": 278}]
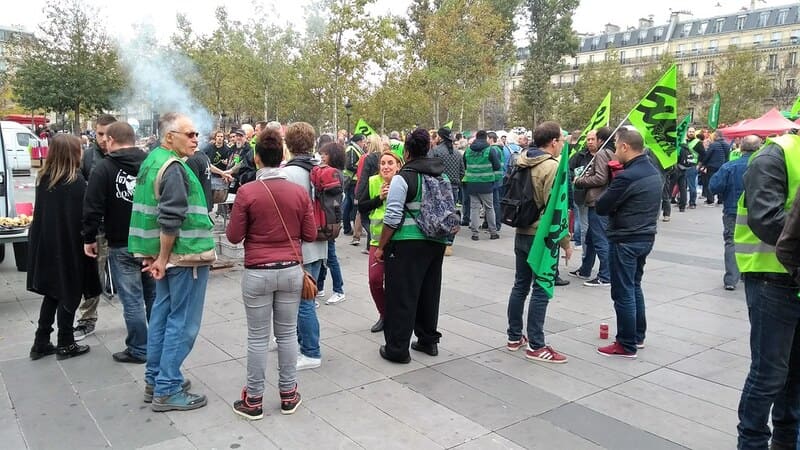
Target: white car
[{"x": 18, "y": 139}]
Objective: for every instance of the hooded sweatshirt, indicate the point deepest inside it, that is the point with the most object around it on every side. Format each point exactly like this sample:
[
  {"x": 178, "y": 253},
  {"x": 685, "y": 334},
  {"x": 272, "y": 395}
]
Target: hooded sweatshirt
[
  {"x": 404, "y": 187},
  {"x": 543, "y": 173},
  {"x": 478, "y": 146},
  {"x": 109, "y": 196}
]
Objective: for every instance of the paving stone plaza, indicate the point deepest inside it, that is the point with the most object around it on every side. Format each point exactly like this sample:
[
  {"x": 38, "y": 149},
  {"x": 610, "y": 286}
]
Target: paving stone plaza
[{"x": 681, "y": 392}]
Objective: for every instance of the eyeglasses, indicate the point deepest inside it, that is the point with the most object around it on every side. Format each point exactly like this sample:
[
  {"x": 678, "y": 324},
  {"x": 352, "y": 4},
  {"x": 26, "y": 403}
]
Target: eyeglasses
[{"x": 188, "y": 134}]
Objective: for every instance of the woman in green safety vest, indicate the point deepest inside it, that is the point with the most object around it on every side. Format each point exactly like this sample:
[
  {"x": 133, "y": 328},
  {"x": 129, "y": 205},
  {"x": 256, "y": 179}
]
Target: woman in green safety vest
[{"x": 372, "y": 203}]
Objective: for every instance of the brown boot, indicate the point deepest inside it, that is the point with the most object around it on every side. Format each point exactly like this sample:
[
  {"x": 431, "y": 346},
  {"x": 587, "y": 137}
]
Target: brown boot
[{"x": 448, "y": 251}]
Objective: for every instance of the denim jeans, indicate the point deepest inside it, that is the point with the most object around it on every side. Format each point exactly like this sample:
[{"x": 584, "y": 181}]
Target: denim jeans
[
  {"x": 774, "y": 378},
  {"x": 331, "y": 263},
  {"x": 136, "y": 292},
  {"x": 465, "y": 209},
  {"x": 271, "y": 297},
  {"x": 731, "y": 277},
  {"x": 348, "y": 207},
  {"x": 174, "y": 323},
  {"x": 627, "y": 267},
  {"x": 307, "y": 322},
  {"x": 498, "y": 214},
  {"x": 691, "y": 183},
  {"x": 596, "y": 244},
  {"x": 523, "y": 279}
]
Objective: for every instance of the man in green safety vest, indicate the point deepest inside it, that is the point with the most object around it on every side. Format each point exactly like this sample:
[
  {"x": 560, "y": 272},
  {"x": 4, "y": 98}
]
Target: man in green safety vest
[
  {"x": 171, "y": 230},
  {"x": 770, "y": 187},
  {"x": 696, "y": 150},
  {"x": 482, "y": 167}
]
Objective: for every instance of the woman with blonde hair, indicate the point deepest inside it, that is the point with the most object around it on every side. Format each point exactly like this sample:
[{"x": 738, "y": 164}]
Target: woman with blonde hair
[
  {"x": 367, "y": 167},
  {"x": 58, "y": 269}
]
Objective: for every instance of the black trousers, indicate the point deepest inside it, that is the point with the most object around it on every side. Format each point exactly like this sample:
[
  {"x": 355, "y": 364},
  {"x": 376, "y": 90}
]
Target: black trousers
[
  {"x": 710, "y": 171},
  {"x": 50, "y": 310},
  {"x": 413, "y": 280},
  {"x": 678, "y": 178}
]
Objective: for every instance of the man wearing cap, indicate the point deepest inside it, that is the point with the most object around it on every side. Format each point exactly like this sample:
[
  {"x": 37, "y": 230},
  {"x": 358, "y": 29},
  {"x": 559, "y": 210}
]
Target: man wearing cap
[
  {"x": 453, "y": 168},
  {"x": 396, "y": 144},
  {"x": 352, "y": 155}
]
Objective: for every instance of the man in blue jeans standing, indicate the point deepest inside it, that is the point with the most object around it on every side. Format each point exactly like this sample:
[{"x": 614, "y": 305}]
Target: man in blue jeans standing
[
  {"x": 109, "y": 200},
  {"x": 632, "y": 203}
]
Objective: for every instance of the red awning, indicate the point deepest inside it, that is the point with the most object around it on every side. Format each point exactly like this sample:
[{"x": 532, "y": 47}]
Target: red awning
[
  {"x": 770, "y": 124},
  {"x": 27, "y": 120}
]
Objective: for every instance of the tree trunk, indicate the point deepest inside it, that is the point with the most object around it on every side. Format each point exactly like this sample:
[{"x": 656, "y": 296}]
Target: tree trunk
[
  {"x": 461, "y": 117},
  {"x": 76, "y": 121},
  {"x": 266, "y": 102}
]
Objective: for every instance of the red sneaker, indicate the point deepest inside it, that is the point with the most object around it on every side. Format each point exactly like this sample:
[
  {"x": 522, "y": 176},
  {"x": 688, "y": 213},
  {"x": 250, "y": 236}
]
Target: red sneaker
[
  {"x": 546, "y": 354},
  {"x": 513, "y": 346},
  {"x": 615, "y": 349}
]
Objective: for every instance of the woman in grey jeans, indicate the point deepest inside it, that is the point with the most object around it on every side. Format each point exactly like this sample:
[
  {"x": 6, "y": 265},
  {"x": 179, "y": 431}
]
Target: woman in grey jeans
[{"x": 272, "y": 215}]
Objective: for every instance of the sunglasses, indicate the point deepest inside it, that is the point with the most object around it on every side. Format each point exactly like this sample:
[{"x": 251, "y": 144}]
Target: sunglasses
[{"x": 188, "y": 134}]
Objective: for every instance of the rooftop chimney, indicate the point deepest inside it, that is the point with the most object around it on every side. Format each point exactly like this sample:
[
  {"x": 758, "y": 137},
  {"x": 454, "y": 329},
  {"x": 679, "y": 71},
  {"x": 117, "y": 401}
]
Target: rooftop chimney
[
  {"x": 645, "y": 22},
  {"x": 611, "y": 28}
]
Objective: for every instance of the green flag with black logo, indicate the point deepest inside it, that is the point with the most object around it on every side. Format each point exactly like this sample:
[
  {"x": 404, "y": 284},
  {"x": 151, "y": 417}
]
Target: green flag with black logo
[
  {"x": 362, "y": 127},
  {"x": 599, "y": 119},
  {"x": 683, "y": 127},
  {"x": 553, "y": 227},
  {"x": 713, "y": 112},
  {"x": 655, "y": 117}
]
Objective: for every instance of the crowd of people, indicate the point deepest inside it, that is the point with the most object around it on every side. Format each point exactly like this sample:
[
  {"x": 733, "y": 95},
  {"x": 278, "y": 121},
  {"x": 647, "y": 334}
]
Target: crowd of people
[{"x": 148, "y": 217}]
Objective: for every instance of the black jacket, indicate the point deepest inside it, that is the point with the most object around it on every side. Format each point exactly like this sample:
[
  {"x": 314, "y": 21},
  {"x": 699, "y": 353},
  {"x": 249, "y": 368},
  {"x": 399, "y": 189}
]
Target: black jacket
[
  {"x": 716, "y": 154},
  {"x": 201, "y": 166},
  {"x": 788, "y": 248},
  {"x": 632, "y": 202},
  {"x": 218, "y": 156},
  {"x": 370, "y": 167},
  {"x": 90, "y": 159},
  {"x": 765, "y": 192},
  {"x": 109, "y": 196}
]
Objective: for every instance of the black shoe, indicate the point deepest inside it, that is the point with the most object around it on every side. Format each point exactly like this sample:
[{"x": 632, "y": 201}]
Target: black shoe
[
  {"x": 561, "y": 282},
  {"x": 68, "y": 351},
  {"x": 40, "y": 351},
  {"x": 475, "y": 237},
  {"x": 405, "y": 360},
  {"x": 431, "y": 349},
  {"x": 494, "y": 236},
  {"x": 464, "y": 224},
  {"x": 126, "y": 357},
  {"x": 378, "y": 327}
]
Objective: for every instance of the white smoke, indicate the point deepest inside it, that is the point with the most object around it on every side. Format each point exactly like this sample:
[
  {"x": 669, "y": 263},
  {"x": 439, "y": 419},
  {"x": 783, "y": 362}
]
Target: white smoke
[{"x": 157, "y": 77}]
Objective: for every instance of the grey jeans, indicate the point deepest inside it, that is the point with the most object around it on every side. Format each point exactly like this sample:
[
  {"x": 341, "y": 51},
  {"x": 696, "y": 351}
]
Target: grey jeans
[
  {"x": 475, "y": 202},
  {"x": 731, "y": 277},
  {"x": 271, "y": 296}
]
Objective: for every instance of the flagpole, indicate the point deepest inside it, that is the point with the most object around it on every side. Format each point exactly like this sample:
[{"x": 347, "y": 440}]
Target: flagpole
[{"x": 604, "y": 144}]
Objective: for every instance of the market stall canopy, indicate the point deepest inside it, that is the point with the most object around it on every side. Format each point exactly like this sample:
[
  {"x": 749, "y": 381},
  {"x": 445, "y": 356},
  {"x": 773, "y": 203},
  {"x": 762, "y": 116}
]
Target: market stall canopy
[{"x": 769, "y": 124}]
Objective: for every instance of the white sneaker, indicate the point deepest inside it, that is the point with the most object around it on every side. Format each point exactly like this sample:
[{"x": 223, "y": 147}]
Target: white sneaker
[
  {"x": 320, "y": 294},
  {"x": 316, "y": 303},
  {"x": 336, "y": 298},
  {"x": 304, "y": 362}
]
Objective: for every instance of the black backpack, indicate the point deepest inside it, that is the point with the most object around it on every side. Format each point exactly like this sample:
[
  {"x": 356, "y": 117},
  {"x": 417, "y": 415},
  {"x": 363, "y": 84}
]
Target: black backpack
[{"x": 518, "y": 207}]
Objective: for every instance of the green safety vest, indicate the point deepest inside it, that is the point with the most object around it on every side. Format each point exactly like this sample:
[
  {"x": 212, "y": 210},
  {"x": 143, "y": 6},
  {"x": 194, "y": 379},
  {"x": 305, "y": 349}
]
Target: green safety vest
[
  {"x": 194, "y": 236},
  {"x": 735, "y": 154},
  {"x": 753, "y": 255},
  {"x": 479, "y": 168},
  {"x": 376, "y": 216},
  {"x": 498, "y": 174},
  {"x": 349, "y": 173},
  {"x": 694, "y": 157},
  {"x": 409, "y": 231}
]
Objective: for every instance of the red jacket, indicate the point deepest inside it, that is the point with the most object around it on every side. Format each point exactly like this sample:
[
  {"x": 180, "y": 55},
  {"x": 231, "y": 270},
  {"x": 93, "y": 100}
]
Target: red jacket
[{"x": 255, "y": 220}]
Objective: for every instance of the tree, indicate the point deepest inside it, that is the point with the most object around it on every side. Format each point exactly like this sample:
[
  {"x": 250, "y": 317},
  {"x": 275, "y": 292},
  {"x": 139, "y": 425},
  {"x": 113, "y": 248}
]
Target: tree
[
  {"x": 70, "y": 66},
  {"x": 551, "y": 38},
  {"x": 742, "y": 86}
]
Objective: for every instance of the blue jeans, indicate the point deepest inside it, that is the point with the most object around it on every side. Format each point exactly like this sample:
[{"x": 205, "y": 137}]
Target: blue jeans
[
  {"x": 627, "y": 267},
  {"x": 348, "y": 207},
  {"x": 465, "y": 211},
  {"x": 136, "y": 292},
  {"x": 691, "y": 183},
  {"x": 731, "y": 277},
  {"x": 307, "y": 322},
  {"x": 576, "y": 226},
  {"x": 596, "y": 245},
  {"x": 498, "y": 214},
  {"x": 523, "y": 279},
  {"x": 174, "y": 323},
  {"x": 332, "y": 263},
  {"x": 774, "y": 378}
]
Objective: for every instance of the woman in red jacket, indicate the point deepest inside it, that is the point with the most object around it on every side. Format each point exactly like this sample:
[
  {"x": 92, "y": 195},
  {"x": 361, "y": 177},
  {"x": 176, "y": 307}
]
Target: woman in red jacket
[{"x": 272, "y": 215}]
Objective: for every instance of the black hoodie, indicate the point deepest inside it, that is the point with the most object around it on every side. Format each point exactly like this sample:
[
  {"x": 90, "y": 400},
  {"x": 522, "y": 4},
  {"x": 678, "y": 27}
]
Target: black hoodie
[{"x": 109, "y": 196}]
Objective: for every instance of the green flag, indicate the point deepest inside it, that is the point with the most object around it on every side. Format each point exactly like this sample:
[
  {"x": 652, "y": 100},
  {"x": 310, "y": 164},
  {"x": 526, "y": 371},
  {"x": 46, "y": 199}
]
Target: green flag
[
  {"x": 655, "y": 118},
  {"x": 599, "y": 119},
  {"x": 363, "y": 128},
  {"x": 713, "y": 112},
  {"x": 553, "y": 226},
  {"x": 796, "y": 107},
  {"x": 449, "y": 125},
  {"x": 683, "y": 127}
]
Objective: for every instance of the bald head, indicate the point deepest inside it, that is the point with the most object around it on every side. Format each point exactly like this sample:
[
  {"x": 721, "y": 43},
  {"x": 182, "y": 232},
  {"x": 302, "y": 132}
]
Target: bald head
[{"x": 751, "y": 143}]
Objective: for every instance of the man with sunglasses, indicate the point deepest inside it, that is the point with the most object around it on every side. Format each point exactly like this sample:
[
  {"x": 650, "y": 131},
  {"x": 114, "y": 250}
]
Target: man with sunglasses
[{"x": 171, "y": 230}]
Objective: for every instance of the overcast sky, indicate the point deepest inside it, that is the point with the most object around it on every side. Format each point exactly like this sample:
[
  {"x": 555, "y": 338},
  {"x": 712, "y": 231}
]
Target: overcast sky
[{"x": 590, "y": 17}]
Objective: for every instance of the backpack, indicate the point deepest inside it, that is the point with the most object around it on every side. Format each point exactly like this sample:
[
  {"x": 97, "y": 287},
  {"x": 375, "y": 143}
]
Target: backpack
[
  {"x": 326, "y": 195},
  {"x": 517, "y": 207},
  {"x": 438, "y": 218}
]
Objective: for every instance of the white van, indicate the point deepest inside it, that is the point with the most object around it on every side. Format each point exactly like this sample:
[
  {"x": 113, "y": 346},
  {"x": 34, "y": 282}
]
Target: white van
[{"x": 18, "y": 139}]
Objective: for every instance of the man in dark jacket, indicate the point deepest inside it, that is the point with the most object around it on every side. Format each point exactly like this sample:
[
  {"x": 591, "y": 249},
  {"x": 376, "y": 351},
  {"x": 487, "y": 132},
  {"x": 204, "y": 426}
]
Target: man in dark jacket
[
  {"x": 482, "y": 164},
  {"x": 714, "y": 157},
  {"x": 88, "y": 308},
  {"x": 788, "y": 247},
  {"x": 353, "y": 153},
  {"x": 728, "y": 183},
  {"x": 632, "y": 204},
  {"x": 109, "y": 200}
]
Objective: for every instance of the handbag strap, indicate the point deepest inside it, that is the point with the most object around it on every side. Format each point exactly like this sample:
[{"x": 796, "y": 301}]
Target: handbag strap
[{"x": 280, "y": 216}]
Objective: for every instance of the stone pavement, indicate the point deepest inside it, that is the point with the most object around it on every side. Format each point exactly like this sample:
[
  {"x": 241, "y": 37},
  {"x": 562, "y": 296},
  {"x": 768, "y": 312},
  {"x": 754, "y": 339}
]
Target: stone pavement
[{"x": 682, "y": 391}]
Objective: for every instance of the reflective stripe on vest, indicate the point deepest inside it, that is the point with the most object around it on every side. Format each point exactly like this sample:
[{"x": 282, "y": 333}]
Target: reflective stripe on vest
[
  {"x": 377, "y": 214},
  {"x": 349, "y": 173},
  {"x": 409, "y": 229},
  {"x": 753, "y": 255},
  {"x": 194, "y": 235},
  {"x": 479, "y": 167}
]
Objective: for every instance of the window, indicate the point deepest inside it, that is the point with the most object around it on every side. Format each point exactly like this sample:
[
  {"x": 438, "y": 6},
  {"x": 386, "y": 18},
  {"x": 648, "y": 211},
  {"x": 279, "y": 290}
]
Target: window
[
  {"x": 762, "y": 19},
  {"x": 23, "y": 139},
  {"x": 791, "y": 61},
  {"x": 709, "y": 68},
  {"x": 681, "y": 50},
  {"x": 790, "y": 84},
  {"x": 654, "y": 52},
  {"x": 772, "y": 62},
  {"x": 595, "y": 42},
  {"x": 707, "y": 87},
  {"x": 782, "y": 16},
  {"x": 713, "y": 45},
  {"x": 693, "y": 69},
  {"x": 734, "y": 42},
  {"x": 687, "y": 28},
  {"x": 642, "y": 35},
  {"x": 740, "y": 22},
  {"x": 718, "y": 25},
  {"x": 659, "y": 32},
  {"x": 703, "y": 26},
  {"x": 696, "y": 48},
  {"x": 679, "y": 68},
  {"x": 626, "y": 37},
  {"x": 591, "y": 59},
  {"x": 795, "y": 36},
  {"x": 638, "y": 54},
  {"x": 622, "y": 57},
  {"x": 776, "y": 37},
  {"x": 757, "y": 40}
]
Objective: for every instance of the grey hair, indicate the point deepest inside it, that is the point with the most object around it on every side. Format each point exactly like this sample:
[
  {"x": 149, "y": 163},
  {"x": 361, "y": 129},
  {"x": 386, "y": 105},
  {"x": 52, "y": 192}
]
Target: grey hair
[
  {"x": 394, "y": 135},
  {"x": 274, "y": 125},
  {"x": 751, "y": 143},
  {"x": 167, "y": 123}
]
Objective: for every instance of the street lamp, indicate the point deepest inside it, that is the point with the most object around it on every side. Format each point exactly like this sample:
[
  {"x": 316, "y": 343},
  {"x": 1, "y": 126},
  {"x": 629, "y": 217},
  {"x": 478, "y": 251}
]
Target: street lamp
[{"x": 348, "y": 108}]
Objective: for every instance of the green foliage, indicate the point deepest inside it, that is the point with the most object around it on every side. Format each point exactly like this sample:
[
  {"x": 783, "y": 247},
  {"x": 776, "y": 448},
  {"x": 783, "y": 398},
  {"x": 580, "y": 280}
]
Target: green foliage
[
  {"x": 70, "y": 66},
  {"x": 742, "y": 86}
]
